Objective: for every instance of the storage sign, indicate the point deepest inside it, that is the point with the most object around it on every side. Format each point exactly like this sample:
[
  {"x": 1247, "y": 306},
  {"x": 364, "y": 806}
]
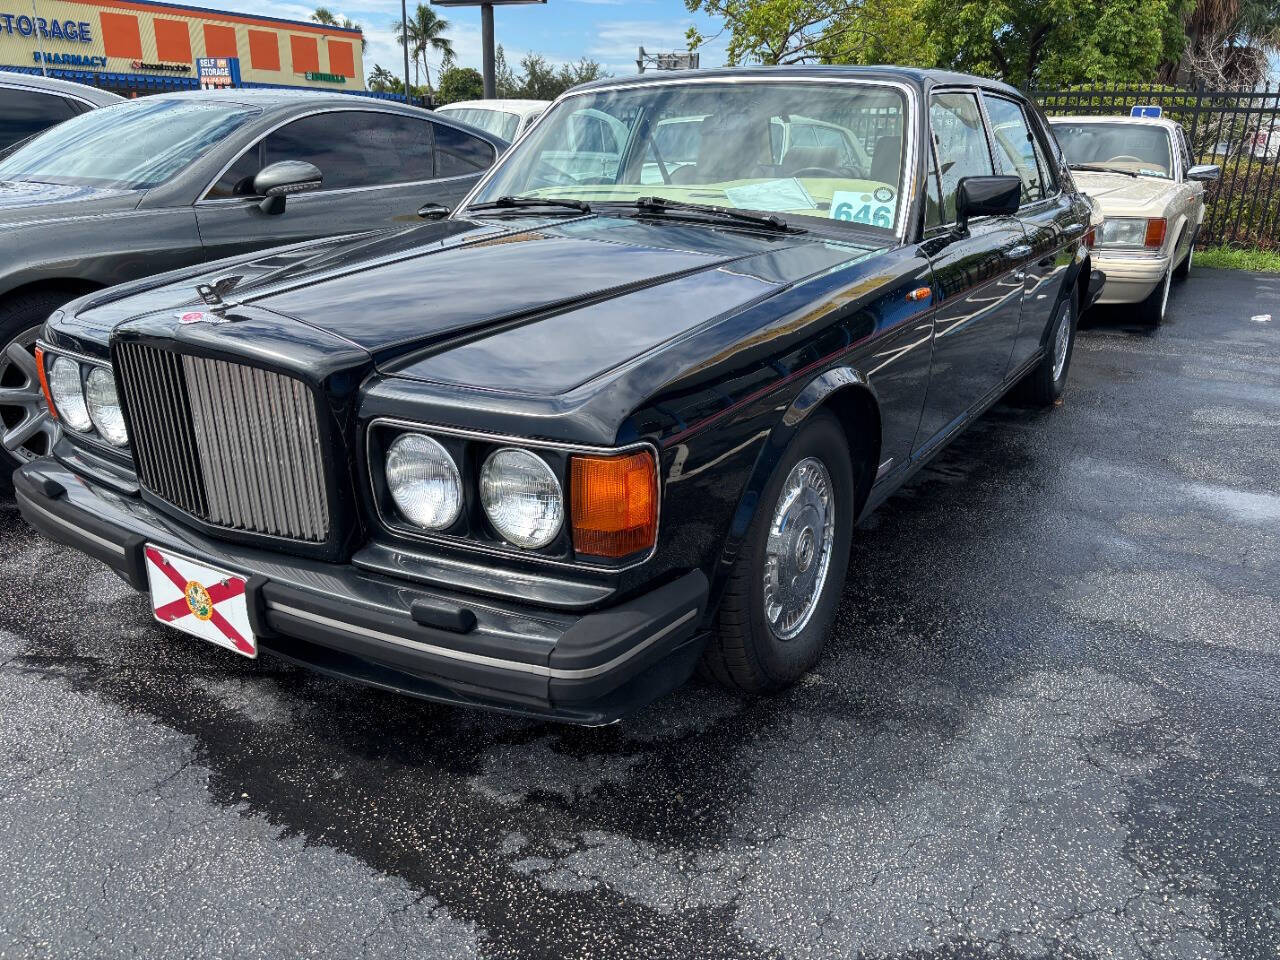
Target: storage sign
[{"x": 25, "y": 25}]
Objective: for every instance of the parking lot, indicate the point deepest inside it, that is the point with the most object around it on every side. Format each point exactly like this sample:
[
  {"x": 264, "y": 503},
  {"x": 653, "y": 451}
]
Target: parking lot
[{"x": 1046, "y": 726}]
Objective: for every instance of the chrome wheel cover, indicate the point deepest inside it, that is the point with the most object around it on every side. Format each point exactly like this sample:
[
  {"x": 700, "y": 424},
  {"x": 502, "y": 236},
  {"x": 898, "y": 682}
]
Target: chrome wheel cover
[
  {"x": 798, "y": 550},
  {"x": 1061, "y": 343},
  {"x": 27, "y": 429}
]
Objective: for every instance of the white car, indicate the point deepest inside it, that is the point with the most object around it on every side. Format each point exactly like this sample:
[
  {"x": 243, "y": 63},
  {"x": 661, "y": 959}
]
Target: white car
[
  {"x": 1140, "y": 170},
  {"x": 507, "y": 119}
]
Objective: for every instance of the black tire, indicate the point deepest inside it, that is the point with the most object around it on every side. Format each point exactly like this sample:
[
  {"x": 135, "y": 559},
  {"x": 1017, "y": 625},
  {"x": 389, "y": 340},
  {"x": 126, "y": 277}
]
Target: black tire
[
  {"x": 1044, "y": 384},
  {"x": 1151, "y": 310},
  {"x": 19, "y": 315},
  {"x": 744, "y": 653},
  {"x": 1184, "y": 268}
]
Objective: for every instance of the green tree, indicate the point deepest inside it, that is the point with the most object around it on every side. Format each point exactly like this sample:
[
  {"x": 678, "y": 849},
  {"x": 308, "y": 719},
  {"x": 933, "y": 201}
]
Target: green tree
[
  {"x": 506, "y": 83},
  {"x": 326, "y": 16},
  {"x": 425, "y": 35},
  {"x": 460, "y": 83},
  {"x": 383, "y": 80}
]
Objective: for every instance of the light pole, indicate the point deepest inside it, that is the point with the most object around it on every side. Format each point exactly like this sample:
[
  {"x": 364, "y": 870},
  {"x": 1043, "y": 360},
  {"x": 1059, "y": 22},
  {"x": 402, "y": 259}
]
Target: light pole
[
  {"x": 404, "y": 40},
  {"x": 486, "y": 40}
]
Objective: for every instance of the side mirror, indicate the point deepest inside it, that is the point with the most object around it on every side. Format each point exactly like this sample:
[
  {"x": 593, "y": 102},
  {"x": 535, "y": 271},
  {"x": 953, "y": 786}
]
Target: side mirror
[
  {"x": 987, "y": 197},
  {"x": 433, "y": 211},
  {"x": 277, "y": 180},
  {"x": 1205, "y": 172}
]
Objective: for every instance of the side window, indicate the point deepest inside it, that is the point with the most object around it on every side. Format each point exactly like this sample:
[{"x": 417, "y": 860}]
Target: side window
[
  {"x": 932, "y": 197},
  {"x": 459, "y": 154},
  {"x": 961, "y": 142},
  {"x": 1015, "y": 146},
  {"x": 237, "y": 179},
  {"x": 353, "y": 148},
  {"x": 26, "y": 112},
  {"x": 1044, "y": 159},
  {"x": 1184, "y": 151}
]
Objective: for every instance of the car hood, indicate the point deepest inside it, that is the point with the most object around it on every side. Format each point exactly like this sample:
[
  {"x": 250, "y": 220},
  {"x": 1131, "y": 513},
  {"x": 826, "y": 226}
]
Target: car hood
[
  {"x": 1120, "y": 194},
  {"x": 408, "y": 298},
  {"x": 27, "y": 200}
]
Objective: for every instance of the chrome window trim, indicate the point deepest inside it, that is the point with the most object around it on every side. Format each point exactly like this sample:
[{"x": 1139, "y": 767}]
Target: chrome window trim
[
  {"x": 463, "y": 543},
  {"x": 909, "y": 128},
  {"x": 202, "y": 197},
  {"x": 61, "y": 95},
  {"x": 337, "y": 191}
]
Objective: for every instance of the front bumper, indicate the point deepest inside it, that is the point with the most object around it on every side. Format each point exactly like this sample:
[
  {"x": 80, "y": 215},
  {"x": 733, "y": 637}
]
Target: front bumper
[
  {"x": 590, "y": 668},
  {"x": 1129, "y": 279}
]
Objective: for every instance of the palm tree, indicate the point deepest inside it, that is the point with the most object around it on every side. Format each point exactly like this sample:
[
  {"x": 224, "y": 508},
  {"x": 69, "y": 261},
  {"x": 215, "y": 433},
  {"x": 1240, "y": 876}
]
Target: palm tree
[
  {"x": 381, "y": 79},
  {"x": 325, "y": 15},
  {"x": 426, "y": 35}
]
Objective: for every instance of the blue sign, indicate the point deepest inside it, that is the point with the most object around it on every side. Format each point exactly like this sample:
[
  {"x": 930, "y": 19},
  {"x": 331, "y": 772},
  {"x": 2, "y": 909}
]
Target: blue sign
[
  {"x": 1146, "y": 110},
  {"x": 218, "y": 72},
  {"x": 25, "y": 26},
  {"x": 70, "y": 60}
]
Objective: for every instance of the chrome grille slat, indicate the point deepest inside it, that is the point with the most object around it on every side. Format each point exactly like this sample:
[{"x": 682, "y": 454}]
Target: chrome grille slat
[{"x": 230, "y": 444}]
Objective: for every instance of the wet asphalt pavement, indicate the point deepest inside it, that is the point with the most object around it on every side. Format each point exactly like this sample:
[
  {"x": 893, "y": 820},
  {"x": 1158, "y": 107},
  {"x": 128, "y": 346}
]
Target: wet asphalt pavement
[{"x": 1048, "y": 725}]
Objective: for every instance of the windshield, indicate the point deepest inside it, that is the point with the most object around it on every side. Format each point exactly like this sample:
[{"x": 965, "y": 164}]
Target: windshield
[
  {"x": 829, "y": 151},
  {"x": 498, "y": 122},
  {"x": 133, "y": 146},
  {"x": 1131, "y": 147}
]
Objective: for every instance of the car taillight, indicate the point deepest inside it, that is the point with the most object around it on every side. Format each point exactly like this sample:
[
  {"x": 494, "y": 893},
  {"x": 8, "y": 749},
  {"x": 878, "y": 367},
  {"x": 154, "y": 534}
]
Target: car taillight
[
  {"x": 1156, "y": 227},
  {"x": 615, "y": 504},
  {"x": 44, "y": 382}
]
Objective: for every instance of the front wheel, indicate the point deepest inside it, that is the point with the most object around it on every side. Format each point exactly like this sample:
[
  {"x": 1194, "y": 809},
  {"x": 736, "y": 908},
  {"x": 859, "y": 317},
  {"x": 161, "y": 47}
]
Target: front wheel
[
  {"x": 1048, "y": 379},
  {"x": 27, "y": 429},
  {"x": 783, "y": 592},
  {"x": 1184, "y": 268},
  {"x": 1151, "y": 311}
]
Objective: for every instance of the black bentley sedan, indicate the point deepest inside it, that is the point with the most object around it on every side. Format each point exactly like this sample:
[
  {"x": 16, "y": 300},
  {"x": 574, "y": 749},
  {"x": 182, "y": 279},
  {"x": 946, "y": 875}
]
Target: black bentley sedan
[
  {"x": 176, "y": 179},
  {"x": 614, "y": 418}
]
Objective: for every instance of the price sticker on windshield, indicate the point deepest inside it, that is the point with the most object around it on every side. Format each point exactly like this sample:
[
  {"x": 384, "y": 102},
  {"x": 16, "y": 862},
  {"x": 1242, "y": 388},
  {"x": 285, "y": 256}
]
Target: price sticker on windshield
[{"x": 874, "y": 208}]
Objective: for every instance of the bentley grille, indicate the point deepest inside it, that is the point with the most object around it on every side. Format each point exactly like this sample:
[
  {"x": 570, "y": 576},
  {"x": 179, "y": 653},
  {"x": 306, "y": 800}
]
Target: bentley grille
[{"x": 232, "y": 445}]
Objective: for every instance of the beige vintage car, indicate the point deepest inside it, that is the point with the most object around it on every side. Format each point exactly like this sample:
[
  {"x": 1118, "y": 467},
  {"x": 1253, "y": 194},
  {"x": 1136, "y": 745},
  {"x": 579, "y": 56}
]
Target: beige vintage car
[{"x": 1140, "y": 170}]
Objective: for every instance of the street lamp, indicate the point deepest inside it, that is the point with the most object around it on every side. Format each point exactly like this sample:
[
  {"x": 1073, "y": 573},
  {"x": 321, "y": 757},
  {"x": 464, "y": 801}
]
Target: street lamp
[{"x": 486, "y": 34}]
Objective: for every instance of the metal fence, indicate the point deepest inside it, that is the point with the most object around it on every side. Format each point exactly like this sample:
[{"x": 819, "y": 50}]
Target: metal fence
[{"x": 1237, "y": 129}]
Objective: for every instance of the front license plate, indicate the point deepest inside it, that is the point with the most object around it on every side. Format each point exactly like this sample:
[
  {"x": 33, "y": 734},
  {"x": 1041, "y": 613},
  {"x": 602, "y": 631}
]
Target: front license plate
[{"x": 203, "y": 601}]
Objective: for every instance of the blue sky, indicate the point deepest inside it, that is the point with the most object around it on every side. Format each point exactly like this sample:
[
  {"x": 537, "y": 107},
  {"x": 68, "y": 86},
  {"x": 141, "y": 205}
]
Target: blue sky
[{"x": 561, "y": 30}]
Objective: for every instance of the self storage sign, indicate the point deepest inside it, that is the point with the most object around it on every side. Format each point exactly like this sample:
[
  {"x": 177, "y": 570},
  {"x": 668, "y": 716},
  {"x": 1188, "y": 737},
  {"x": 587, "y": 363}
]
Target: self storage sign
[{"x": 25, "y": 25}]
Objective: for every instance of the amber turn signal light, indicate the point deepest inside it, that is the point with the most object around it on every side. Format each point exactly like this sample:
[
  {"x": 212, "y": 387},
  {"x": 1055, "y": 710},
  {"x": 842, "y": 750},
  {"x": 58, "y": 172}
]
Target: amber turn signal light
[
  {"x": 1156, "y": 227},
  {"x": 44, "y": 382},
  {"x": 615, "y": 504}
]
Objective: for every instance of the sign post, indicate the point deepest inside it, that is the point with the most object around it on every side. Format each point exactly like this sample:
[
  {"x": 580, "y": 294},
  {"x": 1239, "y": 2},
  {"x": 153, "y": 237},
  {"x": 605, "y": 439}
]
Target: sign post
[{"x": 486, "y": 35}]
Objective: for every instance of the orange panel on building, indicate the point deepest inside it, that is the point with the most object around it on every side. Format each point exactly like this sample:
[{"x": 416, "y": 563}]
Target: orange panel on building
[
  {"x": 306, "y": 56},
  {"x": 173, "y": 41},
  {"x": 341, "y": 58},
  {"x": 120, "y": 35},
  {"x": 264, "y": 50},
  {"x": 220, "y": 41}
]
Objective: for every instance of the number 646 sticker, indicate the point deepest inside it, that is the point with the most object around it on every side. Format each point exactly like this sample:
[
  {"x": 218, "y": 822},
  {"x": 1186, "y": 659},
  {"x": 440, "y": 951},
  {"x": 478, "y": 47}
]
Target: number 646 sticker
[{"x": 859, "y": 207}]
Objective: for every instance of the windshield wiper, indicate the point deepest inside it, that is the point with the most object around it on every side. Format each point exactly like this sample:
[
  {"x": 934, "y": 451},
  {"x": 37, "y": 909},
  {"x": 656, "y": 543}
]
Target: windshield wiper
[
  {"x": 511, "y": 203},
  {"x": 1096, "y": 168},
  {"x": 662, "y": 205}
]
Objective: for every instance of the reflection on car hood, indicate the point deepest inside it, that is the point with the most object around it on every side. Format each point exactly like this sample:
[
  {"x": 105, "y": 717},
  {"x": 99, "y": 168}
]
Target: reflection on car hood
[
  {"x": 605, "y": 288},
  {"x": 1121, "y": 195},
  {"x": 27, "y": 200}
]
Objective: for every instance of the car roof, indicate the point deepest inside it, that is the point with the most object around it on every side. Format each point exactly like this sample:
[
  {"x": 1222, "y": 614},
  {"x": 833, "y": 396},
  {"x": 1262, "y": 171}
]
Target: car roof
[
  {"x": 287, "y": 101},
  {"x": 1164, "y": 122},
  {"x": 508, "y": 106},
  {"x": 81, "y": 91},
  {"x": 912, "y": 76}
]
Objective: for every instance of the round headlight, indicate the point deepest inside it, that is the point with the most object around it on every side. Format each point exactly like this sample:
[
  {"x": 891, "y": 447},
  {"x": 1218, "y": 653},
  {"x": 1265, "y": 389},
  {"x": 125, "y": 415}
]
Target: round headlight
[
  {"x": 424, "y": 482},
  {"x": 521, "y": 497},
  {"x": 68, "y": 394},
  {"x": 104, "y": 406}
]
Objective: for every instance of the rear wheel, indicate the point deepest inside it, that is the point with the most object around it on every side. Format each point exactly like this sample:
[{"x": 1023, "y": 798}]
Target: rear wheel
[
  {"x": 27, "y": 429},
  {"x": 1048, "y": 379},
  {"x": 784, "y": 589},
  {"x": 1151, "y": 310}
]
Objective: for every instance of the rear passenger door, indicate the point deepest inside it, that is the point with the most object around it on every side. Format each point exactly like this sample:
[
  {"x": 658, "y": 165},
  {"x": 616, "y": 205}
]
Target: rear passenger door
[
  {"x": 977, "y": 274},
  {"x": 24, "y": 113},
  {"x": 1053, "y": 228},
  {"x": 378, "y": 167}
]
